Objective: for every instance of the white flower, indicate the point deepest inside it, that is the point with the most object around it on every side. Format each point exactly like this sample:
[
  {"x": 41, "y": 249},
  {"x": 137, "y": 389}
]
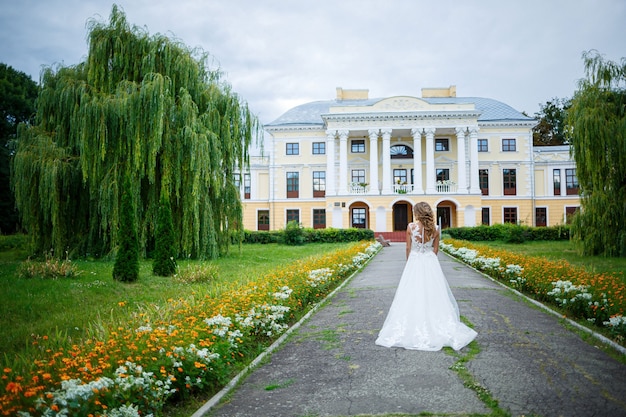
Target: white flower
[
  {"x": 283, "y": 294},
  {"x": 616, "y": 321}
]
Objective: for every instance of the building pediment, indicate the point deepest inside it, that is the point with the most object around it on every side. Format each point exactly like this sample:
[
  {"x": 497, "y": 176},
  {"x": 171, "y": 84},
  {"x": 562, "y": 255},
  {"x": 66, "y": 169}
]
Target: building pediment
[
  {"x": 359, "y": 160},
  {"x": 444, "y": 160},
  {"x": 402, "y": 103}
]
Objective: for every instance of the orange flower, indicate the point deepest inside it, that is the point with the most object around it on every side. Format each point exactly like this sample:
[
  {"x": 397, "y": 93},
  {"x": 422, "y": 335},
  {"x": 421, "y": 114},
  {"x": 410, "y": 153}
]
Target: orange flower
[{"x": 14, "y": 387}]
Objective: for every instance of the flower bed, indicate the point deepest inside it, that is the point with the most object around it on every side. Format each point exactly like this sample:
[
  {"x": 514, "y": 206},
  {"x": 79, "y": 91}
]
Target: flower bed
[
  {"x": 191, "y": 344},
  {"x": 596, "y": 298}
]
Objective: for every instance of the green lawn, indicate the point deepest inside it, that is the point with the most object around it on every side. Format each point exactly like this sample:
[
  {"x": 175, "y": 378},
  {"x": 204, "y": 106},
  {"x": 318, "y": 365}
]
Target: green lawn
[
  {"x": 68, "y": 307},
  {"x": 564, "y": 250}
]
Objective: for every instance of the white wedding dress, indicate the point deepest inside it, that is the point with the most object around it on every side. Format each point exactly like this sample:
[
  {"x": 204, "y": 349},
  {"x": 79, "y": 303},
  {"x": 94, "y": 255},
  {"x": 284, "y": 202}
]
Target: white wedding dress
[{"x": 424, "y": 314}]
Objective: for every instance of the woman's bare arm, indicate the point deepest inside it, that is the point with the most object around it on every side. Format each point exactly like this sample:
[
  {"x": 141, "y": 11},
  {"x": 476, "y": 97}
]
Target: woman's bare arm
[{"x": 409, "y": 238}]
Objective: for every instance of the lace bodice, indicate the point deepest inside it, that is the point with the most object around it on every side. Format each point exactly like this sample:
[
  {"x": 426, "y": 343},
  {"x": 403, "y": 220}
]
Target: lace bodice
[{"x": 417, "y": 243}]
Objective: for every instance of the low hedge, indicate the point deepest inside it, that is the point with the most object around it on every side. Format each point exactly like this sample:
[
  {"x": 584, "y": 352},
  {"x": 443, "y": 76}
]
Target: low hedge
[
  {"x": 328, "y": 235},
  {"x": 510, "y": 233}
]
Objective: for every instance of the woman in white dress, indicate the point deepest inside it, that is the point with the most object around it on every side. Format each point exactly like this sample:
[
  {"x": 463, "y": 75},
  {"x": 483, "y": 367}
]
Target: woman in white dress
[{"x": 424, "y": 314}]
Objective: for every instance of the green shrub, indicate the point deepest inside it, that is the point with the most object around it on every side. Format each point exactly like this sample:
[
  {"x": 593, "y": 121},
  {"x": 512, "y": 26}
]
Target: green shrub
[
  {"x": 310, "y": 235},
  {"x": 511, "y": 233},
  {"x": 515, "y": 234},
  {"x": 164, "y": 263},
  {"x": 12, "y": 242},
  {"x": 261, "y": 236},
  {"x": 293, "y": 234}
]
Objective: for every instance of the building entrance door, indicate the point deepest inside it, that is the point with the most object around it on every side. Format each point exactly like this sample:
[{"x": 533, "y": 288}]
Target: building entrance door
[
  {"x": 400, "y": 216},
  {"x": 444, "y": 219}
]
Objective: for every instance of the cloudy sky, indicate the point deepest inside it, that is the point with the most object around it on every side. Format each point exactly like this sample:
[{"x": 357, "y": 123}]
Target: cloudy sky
[{"x": 277, "y": 54}]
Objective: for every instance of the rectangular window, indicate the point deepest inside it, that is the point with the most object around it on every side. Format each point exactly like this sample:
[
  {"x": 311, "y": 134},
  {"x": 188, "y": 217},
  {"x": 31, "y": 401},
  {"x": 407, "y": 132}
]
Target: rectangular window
[
  {"x": 443, "y": 174},
  {"x": 293, "y": 149},
  {"x": 442, "y": 145},
  {"x": 358, "y": 217},
  {"x": 263, "y": 220},
  {"x": 486, "y": 216},
  {"x": 237, "y": 180},
  {"x": 319, "y": 183},
  {"x": 508, "y": 145},
  {"x": 293, "y": 184},
  {"x": 358, "y": 176},
  {"x": 556, "y": 179},
  {"x": 319, "y": 148},
  {"x": 246, "y": 186},
  {"x": 571, "y": 182},
  {"x": 293, "y": 215},
  {"x": 510, "y": 215},
  {"x": 483, "y": 145},
  {"x": 358, "y": 146},
  {"x": 509, "y": 182},
  {"x": 399, "y": 176},
  {"x": 541, "y": 216},
  {"x": 569, "y": 213},
  {"x": 319, "y": 218},
  {"x": 483, "y": 181}
]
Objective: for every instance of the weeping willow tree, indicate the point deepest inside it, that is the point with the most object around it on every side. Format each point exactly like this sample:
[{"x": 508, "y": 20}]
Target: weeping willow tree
[
  {"x": 139, "y": 105},
  {"x": 597, "y": 119}
]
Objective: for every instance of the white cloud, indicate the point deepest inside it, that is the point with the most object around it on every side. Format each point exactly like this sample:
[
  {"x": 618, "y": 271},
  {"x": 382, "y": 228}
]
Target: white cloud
[{"x": 281, "y": 53}]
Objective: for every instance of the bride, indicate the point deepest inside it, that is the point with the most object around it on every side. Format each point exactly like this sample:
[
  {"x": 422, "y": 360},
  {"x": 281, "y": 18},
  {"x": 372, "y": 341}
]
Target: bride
[{"x": 424, "y": 314}]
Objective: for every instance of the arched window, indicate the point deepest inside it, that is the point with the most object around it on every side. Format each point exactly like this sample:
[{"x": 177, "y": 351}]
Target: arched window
[{"x": 401, "y": 152}]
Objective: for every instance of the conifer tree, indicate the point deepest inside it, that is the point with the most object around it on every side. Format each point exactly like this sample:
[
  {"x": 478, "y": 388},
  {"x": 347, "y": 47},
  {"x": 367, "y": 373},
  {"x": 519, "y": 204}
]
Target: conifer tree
[
  {"x": 164, "y": 262},
  {"x": 139, "y": 104},
  {"x": 597, "y": 120},
  {"x": 126, "y": 266}
]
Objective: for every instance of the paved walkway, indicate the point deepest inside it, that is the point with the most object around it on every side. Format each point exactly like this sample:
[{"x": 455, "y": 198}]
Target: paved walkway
[{"x": 528, "y": 360}]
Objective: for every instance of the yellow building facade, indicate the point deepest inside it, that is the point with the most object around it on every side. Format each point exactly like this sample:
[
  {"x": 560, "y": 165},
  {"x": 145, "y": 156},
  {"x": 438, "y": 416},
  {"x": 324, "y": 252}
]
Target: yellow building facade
[{"x": 364, "y": 162}]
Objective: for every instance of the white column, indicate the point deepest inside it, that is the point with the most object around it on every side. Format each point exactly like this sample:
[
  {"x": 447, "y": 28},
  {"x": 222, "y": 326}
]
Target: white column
[
  {"x": 474, "y": 186},
  {"x": 272, "y": 173},
  {"x": 343, "y": 162},
  {"x": 330, "y": 163},
  {"x": 417, "y": 160},
  {"x": 373, "y": 133},
  {"x": 387, "y": 161},
  {"x": 461, "y": 163},
  {"x": 430, "y": 160}
]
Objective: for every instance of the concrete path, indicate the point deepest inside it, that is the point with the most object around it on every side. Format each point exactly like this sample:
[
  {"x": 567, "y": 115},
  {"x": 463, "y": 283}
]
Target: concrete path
[{"x": 527, "y": 360}]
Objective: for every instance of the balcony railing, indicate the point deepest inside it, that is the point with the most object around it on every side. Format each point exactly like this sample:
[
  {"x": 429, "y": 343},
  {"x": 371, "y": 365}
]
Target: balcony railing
[
  {"x": 402, "y": 188},
  {"x": 442, "y": 187},
  {"x": 359, "y": 188},
  {"x": 446, "y": 186}
]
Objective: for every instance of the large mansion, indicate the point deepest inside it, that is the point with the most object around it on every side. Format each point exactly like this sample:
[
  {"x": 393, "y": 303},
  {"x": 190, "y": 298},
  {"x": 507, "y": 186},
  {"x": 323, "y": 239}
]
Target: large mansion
[{"x": 363, "y": 162}]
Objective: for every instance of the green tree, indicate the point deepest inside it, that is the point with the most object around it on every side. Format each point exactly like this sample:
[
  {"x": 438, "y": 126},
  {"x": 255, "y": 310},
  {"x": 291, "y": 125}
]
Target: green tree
[
  {"x": 17, "y": 105},
  {"x": 164, "y": 262},
  {"x": 126, "y": 267},
  {"x": 143, "y": 105},
  {"x": 293, "y": 234},
  {"x": 597, "y": 118},
  {"x": 552, "y": 127}
]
